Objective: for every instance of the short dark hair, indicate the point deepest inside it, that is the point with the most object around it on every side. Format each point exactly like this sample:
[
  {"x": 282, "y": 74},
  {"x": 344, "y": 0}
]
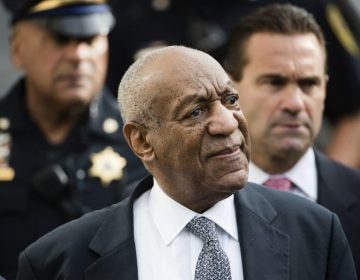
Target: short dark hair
[{"x": 283, "y": 19}]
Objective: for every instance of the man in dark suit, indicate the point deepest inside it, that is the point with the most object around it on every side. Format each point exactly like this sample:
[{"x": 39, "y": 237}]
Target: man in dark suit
[
  {"x": 182, "y": 118},
  {"x": 283, "y": 88}
]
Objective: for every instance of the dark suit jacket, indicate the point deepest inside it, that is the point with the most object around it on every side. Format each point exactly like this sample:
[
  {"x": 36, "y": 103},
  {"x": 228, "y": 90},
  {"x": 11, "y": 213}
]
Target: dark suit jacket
[
  {"x": 282, "y": 236},
  {"x": 339, "y": 191}
]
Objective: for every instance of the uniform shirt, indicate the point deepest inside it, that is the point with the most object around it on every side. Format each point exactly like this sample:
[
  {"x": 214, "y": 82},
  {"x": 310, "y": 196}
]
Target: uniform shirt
[
  {"x": 303, "y": 175},
  {"x": 166, "y": 250},
  {"x": 52, "y": 184}
]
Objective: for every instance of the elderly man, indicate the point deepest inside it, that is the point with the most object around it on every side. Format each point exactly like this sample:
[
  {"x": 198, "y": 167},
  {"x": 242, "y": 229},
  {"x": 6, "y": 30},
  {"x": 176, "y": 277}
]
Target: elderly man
[
  {"x": 195, "y": 217},
  {"x": 62, "y": 151},
  {"x": 283, "y": 89}
]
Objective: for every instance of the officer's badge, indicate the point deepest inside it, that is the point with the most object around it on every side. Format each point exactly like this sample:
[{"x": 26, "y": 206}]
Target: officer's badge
[
  {"x": 6, "y": 172},
  {"x": 107, "y": 165}
]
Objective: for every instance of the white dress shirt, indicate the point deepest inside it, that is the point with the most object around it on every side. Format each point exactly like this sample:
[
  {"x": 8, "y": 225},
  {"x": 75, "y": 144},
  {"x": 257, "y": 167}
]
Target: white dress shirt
[
  {"x": 303, "y": 175},
  {"x": 166, "y": 250}
]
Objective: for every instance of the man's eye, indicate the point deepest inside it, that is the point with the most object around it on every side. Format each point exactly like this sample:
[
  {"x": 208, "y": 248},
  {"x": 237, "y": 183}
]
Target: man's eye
[
  {"x": 61, "y": 39},
  {"x": 277, "y": 82},
  {"x": 306, "y": 85},
  {"x": 88, "y": 40},
  {"x": 197, "y": 112},
  {"x": 232, "y": 99}
]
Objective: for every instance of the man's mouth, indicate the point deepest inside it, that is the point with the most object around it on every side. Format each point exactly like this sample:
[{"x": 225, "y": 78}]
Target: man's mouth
[{"x": 226, "y": 152}]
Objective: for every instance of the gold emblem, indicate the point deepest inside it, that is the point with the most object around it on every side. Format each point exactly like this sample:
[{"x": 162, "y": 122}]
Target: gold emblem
[
  {"x": 4, "y": 123},
  {"x": 110, "y": 125},
  {"x": 342, "y": 30},
  {"x": 107, "y": 165},
  {"x": 6, "y": 172}
]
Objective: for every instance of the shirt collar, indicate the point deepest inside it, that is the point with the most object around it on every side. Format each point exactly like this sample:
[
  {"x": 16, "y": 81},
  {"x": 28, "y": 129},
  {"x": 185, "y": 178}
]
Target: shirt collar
[
  {"x": 303, "y": 174},
  {"x": 171, "y": 217}
]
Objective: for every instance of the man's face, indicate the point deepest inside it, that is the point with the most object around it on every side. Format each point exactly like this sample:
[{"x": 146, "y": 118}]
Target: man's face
[
  {"x": 60, "y": 71},
  {"x": 201, "y": 143},
  {"x": 282, "y": 94}
]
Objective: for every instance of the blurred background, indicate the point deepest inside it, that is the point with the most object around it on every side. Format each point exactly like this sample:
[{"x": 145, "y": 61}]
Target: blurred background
[
  {"x": 205, "y": 24},
  {"x": 8, "y": 74}
]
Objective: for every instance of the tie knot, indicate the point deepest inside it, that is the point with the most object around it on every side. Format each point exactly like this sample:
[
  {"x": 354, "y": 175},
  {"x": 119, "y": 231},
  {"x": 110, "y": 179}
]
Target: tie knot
[
  {"x": 203, "y": 228},
  {"x": 281, "y": 183}
]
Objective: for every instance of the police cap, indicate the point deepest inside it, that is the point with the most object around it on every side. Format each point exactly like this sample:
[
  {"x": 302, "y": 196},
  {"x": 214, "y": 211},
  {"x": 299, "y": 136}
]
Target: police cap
[{"x": 75, "y": 18}]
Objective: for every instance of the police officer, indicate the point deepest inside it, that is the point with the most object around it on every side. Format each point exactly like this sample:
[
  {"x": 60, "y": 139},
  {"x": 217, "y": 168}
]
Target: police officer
[
  {"x": 343, "y": 104},
  {"x": 62, "y": 152}
]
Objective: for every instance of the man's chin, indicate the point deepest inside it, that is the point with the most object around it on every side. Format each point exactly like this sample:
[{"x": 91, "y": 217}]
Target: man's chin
[
  {"x": 292, "y": 151},
  {"x": 233, "y": 181},
  {"x": 78, "y": 96},
  {"x": 293, "y": 145}
]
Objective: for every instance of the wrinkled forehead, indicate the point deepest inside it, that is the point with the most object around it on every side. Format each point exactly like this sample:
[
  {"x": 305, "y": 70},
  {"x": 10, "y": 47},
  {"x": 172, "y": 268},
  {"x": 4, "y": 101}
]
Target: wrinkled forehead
[{"x": 177, "y": 87}]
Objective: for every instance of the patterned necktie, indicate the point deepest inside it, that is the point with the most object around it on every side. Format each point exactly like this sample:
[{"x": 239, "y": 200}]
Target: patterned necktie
[
  {"x": 281, "y": 184},
  {"x": 212, "y": 264}
]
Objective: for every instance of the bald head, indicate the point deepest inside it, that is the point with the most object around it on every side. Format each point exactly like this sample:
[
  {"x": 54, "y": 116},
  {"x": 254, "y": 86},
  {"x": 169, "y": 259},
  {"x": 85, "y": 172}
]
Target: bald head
[{"x": 156, "y": 75}]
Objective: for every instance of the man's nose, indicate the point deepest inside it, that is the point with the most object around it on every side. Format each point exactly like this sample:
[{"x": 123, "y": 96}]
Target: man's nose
[
  {"x": 222, "y": 121},
  {"x": 293, "y": 99},
  {"x": 77, "y": 50}
]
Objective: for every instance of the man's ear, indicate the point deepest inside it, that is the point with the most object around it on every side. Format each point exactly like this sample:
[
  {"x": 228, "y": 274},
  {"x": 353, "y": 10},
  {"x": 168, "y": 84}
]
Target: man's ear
[
  {"x": 15, "y": 48},
  {"x": 136, "y": 137}
]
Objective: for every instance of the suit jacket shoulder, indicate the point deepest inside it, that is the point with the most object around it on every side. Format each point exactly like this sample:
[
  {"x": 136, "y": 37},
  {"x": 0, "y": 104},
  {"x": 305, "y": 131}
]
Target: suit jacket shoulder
[
  {"x": 339, "y": 191},
  {"x": 99, "y": 245},
  {"x": 338, "y": 179},
  {"x": 65, "y": 250},
  {"x": 284, "y": 236}
]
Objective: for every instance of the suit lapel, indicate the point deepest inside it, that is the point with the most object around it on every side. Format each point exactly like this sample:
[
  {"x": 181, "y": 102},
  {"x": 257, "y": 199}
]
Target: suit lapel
[
  {"x": 114, "y": 242},
  {"x": 120, "y": 264},
  {"x": 265, "y": 250}
]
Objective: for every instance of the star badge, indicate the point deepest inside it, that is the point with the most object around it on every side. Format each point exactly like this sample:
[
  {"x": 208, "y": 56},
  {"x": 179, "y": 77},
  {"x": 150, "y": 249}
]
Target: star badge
[{"x": 107, "y": 165}]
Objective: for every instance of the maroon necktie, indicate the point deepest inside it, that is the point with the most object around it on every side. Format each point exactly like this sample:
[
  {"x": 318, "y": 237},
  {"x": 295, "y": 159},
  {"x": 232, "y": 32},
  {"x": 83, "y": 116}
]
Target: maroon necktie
[{"x": 281, "y": 184}]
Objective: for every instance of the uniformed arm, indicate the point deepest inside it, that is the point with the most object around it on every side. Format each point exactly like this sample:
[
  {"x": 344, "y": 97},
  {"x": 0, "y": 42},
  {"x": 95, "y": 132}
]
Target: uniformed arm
[
  {"x": 341, "y": 264},
  {"x": 25, "y": 271}
]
